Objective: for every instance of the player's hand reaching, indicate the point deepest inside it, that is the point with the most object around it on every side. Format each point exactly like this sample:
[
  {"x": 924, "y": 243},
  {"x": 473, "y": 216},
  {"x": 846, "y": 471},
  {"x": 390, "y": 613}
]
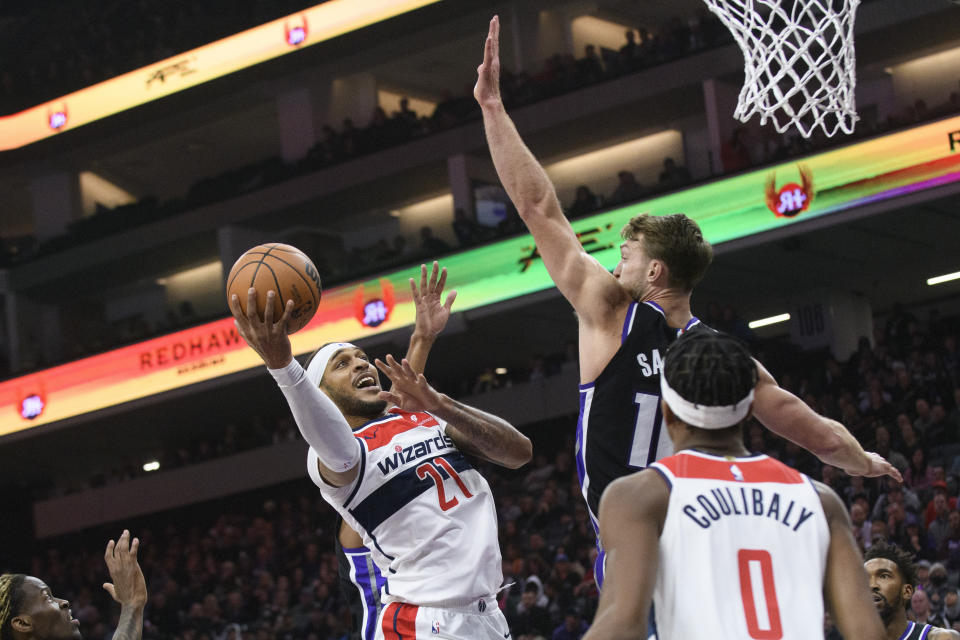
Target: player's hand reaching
[
  {"x": 128, "y": 586},
  {"x": 410, "y": 390},
  {"x": 487, "y": 89},
  {"x": 876, "y": 466},
  {"x": 268, "y": 338},
  {"x": 432, "y": 312}
]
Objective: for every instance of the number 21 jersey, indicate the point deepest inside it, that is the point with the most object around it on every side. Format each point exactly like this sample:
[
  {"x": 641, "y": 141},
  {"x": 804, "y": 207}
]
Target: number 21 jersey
[{"x": 425, "y": 513}]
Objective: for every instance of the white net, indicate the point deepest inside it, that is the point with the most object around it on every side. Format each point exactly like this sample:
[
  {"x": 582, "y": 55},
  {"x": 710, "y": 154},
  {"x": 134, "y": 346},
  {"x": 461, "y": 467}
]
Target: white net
[{"x": 799, "y": 60}]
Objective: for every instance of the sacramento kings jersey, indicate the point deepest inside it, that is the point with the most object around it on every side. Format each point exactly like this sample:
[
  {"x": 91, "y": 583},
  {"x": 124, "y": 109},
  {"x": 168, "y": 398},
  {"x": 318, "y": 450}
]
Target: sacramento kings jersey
[
  {"x": 620, "y": 428},
  {"x": 916, "y": 631},
  {"x": 743, "y": 550},
  {"x": 424, "y": 512},
  {"x": 361, "y": 583}
]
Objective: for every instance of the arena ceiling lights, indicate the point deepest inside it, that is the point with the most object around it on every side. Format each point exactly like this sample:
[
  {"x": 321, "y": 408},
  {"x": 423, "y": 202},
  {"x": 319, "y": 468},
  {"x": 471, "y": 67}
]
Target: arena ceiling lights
[
  {"x": 944, "y": 278},
  {"x": 197, "y": 66}
]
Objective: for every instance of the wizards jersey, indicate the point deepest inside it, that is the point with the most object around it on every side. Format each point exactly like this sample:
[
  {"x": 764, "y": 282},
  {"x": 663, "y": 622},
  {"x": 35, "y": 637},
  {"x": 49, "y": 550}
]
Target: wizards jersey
[
  {"x": 620, "y": 429},
  {"x": 426, "y": 515},
  {"x": 743, "y": 550}
]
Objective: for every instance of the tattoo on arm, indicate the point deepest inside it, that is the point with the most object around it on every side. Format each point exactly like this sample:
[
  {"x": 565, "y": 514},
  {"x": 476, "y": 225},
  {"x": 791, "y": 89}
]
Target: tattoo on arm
[
  {"x": 485, "y": 435},
  {"x": 130, "y": 626}
]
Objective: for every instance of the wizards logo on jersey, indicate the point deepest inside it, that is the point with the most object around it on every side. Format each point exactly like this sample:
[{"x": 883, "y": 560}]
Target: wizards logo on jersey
[{"x": 410, "y": 453}]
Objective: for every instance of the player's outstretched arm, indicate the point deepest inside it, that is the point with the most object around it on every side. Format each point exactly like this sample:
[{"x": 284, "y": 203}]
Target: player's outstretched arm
[
  {"x": 845, "y": 586},
  {"x": 787, "y": 415},
  {"x": 473, "y": 431},
  {"x": 321, "y": 423},
  {"x": 580, "y": 278},
  {"x": 632, "y": 511},
  {"x": 127, "y": 587},
  {"x": 432, "y": 314}
]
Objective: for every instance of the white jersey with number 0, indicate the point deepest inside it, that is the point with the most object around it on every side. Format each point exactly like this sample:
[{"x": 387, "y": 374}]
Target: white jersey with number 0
[
  {"x": 743, "y": 550},
  {"x": 425, "y": 513}
]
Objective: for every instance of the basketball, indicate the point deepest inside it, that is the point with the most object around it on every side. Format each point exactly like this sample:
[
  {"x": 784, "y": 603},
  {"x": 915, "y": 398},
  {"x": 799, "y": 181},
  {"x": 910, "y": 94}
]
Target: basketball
[{"x": 280, "y": 268}]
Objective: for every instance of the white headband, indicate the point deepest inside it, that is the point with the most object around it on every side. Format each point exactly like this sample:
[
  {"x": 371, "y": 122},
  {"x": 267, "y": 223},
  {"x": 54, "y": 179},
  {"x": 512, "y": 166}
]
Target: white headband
[
  {"x": 704, "y": 416},
  {"x": 319, "y": 362}
]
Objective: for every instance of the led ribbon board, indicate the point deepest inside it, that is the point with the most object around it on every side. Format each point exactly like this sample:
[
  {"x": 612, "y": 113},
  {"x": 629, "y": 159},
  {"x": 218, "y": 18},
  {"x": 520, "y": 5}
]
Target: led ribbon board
[
  {"x": 916, "y": 159},
  {"x": 203, "y": 64}
]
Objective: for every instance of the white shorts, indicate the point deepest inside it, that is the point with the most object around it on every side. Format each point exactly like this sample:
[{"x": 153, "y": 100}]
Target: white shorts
[{"x": 479, "y": 620}]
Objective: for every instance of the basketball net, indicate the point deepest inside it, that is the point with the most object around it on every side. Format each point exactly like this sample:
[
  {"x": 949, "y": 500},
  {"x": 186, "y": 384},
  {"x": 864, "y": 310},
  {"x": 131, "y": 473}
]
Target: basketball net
[{"x": 799, "y": 60}]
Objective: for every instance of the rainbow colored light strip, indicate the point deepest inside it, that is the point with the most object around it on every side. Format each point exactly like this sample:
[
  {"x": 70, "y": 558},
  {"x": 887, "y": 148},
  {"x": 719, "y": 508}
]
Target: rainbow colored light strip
[
  {"x": 880, "y": 169},
  {"x": 197, "y": 66}
]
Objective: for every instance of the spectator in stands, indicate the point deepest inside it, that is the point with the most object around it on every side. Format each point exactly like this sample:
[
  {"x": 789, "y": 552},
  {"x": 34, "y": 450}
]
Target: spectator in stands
[
  {"x": 918, "y": 475},
  {"x": 923, "y": 419},
  {"x": 468, "y": 231},
  {"x": 530, "y": 620},
  {"x": 584, "y": 202},
  {"x": 630, "y": 51},
  {"x": 951, "y": 607},
  {"x": 949, "y": 550},
  {"x": 735, "y": 154},
  {"x": 939, "y": 528},
  {"x": 673, "y": 175},
  {"x": 589, "y": 69},
  {"x": 628, "y": 189},
  {"x": 895, "y": 494},
  {"x": 921, "y": 612},
  {"x": 430, "y": 245},
  {"x": 573, "y": 628}
]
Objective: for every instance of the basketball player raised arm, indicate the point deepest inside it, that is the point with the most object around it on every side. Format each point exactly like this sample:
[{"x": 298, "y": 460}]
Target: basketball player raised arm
[{"x": 602, "y": 299}]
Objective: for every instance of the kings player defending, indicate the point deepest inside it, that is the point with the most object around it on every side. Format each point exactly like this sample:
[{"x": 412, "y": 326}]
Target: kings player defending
[
  {"x": 629, "y": 318},
  {"x": 724, "y": 543}
]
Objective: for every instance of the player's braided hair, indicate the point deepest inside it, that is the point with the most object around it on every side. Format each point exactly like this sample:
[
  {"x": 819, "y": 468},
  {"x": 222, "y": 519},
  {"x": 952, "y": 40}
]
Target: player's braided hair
[
  {"x": 710, "y": 368},
  {"x": 900, "y": 557},
  {"x": 11, "y": 599}
]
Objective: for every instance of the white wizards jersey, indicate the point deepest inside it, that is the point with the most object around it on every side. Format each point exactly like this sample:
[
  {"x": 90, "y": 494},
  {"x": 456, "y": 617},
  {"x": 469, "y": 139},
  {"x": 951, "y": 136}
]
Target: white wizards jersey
[
  {"x": 743, "y": 550},
  {"x": 426, "y": 515}
]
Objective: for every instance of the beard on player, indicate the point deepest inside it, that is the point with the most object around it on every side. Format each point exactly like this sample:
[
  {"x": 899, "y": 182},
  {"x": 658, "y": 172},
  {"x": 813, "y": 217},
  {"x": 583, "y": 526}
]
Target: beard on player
[{"x": 351, "y": 403}]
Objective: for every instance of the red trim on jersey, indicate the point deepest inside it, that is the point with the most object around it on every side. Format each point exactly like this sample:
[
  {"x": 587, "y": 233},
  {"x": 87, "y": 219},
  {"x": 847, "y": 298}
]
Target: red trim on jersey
[
  {"x": 380, "y": 434},
  {"x": 386, "y": 624},
  {"x": 399, "y": 621},
  {"x": 689, "y": 465},
  {"x": 407, "y": 622}
]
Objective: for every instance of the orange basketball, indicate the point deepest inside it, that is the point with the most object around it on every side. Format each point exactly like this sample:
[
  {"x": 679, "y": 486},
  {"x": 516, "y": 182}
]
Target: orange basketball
[{"x": 280, "y": 268}]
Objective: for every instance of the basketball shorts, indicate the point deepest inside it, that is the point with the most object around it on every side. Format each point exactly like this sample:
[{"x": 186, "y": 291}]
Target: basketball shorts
[{"x": 479, "y": 620}]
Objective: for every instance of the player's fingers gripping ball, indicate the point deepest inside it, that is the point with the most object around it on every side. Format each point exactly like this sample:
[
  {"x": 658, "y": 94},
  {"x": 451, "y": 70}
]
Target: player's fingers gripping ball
[{"x": 283, "y": 269}]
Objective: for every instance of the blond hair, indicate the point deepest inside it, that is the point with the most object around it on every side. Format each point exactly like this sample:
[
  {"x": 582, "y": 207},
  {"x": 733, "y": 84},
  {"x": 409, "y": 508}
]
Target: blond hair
[
  {"x": 11, "y": 594},
  {"x": 678, "y": 242}
]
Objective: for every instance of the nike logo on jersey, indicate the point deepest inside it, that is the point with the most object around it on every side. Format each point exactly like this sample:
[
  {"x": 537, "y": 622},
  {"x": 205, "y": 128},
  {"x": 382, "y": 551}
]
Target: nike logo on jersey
[
  {"x": 651, "y": 365},
  {"x": 722, "y": 502},
  {"x": 414, "y": 452}
]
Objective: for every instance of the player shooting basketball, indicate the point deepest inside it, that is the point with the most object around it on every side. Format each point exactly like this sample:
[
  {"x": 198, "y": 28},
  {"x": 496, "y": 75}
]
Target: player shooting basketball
[
  {"x": 397, "y": 475},
  {"x": 629, "y": 318},
  {"x": 725, "y": 542}
]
